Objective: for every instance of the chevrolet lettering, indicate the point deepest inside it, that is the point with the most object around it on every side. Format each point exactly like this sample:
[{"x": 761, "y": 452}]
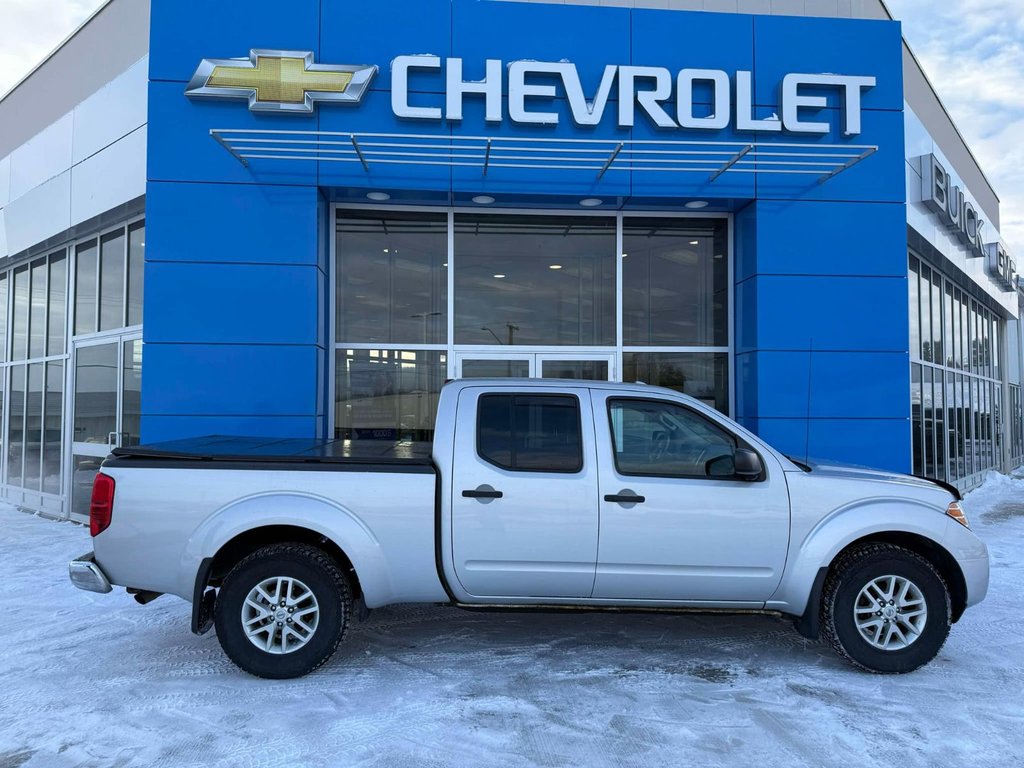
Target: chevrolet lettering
[{"x": 290, "y": 81}]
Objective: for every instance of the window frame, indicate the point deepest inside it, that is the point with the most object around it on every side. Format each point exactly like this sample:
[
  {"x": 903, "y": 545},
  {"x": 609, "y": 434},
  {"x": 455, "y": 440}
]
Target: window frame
[
  {"x": 739, "y": 441},
  {"x": 513, "y": 395}
]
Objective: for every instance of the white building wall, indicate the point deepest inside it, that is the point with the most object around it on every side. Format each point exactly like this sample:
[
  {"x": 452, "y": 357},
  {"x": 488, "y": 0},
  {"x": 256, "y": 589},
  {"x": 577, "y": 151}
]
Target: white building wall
[
  {"x": 87, "y": 162},
  {"x": 919, "y": 143}
]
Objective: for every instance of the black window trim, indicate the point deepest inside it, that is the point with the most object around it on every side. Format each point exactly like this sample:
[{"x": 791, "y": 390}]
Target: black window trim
[
  {"x": 740, "y": 442},
  {"x": 515, "y": 394}
]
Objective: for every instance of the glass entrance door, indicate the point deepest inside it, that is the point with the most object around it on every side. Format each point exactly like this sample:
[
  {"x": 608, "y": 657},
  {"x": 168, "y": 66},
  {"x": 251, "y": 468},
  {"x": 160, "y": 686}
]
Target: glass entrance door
[
  {"x": 535, "y": 365},
  {"x": 106, "y": 408}
]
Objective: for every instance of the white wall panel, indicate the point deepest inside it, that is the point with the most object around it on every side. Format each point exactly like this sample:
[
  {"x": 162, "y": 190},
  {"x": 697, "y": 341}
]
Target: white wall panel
[
  {"x": 39, "y": 214},
  {"x": 112, "y": 112},
  {"x": 109, "y": 178},
  {"x": 5, "y": 180},
  {"x": 3, "y": 236},
  {"x": 42, "y": 158}
]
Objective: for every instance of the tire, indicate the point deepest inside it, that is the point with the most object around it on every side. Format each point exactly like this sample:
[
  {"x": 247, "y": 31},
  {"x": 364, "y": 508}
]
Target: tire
[
  {"x": 285, "y": 649},
  {"x": 851, "y": 584}
]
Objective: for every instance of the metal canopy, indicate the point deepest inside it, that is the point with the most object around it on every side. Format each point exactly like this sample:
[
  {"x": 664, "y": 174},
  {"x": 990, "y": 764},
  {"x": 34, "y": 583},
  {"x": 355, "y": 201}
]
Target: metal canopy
[{"x": 601, "y": 156}]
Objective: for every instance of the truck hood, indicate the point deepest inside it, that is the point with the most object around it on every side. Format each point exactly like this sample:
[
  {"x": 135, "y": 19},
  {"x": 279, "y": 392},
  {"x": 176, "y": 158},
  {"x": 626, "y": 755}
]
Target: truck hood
[{"x": 830, "y": 470}]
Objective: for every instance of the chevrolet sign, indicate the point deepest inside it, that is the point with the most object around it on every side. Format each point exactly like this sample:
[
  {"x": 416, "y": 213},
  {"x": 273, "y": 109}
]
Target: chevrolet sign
[{"x": 290, "y": 81}]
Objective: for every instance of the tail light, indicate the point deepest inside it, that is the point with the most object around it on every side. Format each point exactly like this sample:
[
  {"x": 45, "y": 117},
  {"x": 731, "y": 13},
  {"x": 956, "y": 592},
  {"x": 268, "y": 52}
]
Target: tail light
[{"x": 102, "y": 506}]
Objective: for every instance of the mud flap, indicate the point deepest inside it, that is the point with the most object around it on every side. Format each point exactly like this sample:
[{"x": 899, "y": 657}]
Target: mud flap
[{"x": 203, "y": 617}]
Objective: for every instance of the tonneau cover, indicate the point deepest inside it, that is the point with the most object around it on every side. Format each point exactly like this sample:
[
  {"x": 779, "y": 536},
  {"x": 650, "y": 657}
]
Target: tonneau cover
[{"x": 284, "y": 450}]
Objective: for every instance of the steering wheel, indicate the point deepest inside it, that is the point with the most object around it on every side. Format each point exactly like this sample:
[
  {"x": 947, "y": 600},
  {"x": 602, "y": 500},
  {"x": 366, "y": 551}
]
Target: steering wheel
[{"x": 659, "y": 447}]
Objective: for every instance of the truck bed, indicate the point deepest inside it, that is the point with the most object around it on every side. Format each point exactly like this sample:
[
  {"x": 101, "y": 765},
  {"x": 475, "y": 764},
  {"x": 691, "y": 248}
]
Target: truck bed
[{"x": 226, "y": 452}]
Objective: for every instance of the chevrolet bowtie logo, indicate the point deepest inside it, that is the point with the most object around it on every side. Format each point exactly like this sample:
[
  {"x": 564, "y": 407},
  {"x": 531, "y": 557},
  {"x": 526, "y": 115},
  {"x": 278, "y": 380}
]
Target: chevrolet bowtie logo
[{"x": 280, "y": 81}]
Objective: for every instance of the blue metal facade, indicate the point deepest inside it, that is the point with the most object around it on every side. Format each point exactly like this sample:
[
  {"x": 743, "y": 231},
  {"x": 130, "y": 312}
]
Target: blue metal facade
[{"x": 238, "y": 274}]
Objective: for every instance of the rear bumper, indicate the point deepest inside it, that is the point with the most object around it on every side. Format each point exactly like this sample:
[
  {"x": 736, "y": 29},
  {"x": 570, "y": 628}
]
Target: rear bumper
[{"x": 86, "y": 574}]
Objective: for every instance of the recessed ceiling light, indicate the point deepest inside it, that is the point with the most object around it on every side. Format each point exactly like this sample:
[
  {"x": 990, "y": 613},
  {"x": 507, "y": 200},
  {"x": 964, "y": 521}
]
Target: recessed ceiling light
[
  {"x": 625, "y": 255},
  {"x": 387, "y": 250},
  {"x": 591, "y": 202},
  {"x": 555, "y": 266},
  {"x": 697, "y": 204},
  {"x": 445, "y": 264},
  {"x": 379, "y": 197},
  {"x": 500, "y": 277},
  {"x": 718, "y": 256},
  {"x": 483, "y": 199},
  {"x": 695, "y": 242}
]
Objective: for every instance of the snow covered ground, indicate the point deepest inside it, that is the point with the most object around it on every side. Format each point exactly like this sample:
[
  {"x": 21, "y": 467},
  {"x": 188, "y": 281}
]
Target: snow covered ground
[{"x": 96, "y": 680}]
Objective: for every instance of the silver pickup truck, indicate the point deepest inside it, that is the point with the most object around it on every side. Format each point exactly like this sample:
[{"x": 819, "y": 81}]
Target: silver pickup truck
[{"x": 533, "y": 494}]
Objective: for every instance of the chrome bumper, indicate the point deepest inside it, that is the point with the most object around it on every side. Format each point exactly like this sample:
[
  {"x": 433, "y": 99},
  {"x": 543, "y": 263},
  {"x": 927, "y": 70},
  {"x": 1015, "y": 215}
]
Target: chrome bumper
[{"x": 85, "y": 574}]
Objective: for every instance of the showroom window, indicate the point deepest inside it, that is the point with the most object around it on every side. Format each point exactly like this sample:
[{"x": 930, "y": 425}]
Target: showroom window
[
  {"x": 534, "y": 280},
  {"x": 33, "y": 356},
  {"x": 94, "y": 288},
  {"x": 956, "y": 387},
  {"x": 422, "y": 296},
  {"x": 109, "y": 280}
]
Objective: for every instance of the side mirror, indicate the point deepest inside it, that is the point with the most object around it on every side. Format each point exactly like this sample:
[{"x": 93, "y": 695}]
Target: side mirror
[{"x": 748, "y": 464}]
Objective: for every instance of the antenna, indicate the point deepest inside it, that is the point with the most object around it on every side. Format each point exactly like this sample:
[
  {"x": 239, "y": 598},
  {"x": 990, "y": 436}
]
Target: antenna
[{"x": 807, "y": 422}]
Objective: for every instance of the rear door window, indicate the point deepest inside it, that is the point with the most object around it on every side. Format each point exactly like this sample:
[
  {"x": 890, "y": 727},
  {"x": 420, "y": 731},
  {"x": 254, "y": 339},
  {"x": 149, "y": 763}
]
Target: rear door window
[{"x": 530, "y": 433}]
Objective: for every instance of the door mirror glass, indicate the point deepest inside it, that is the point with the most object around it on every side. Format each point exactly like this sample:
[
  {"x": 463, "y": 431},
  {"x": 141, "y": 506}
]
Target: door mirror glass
[{"x": 721, "y": 467}]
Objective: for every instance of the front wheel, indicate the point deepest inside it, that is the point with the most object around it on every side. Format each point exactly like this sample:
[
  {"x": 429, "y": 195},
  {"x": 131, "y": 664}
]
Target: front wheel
[
  {"x": 885, "y": 609},
  {"x": 283, "y": 611}
]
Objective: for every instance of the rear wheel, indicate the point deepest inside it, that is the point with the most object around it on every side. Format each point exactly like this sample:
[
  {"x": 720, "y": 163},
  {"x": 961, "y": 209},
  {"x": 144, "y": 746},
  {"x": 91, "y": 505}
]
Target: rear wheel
[
  {"x": 885, "y": 609},
  {"x": 283, "y": 610}
]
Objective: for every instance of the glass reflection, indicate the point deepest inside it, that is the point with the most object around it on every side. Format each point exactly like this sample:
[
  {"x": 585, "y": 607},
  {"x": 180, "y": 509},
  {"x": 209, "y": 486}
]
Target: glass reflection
[
  {"x": 387, "y": 394},
  {"x": 52, "y": 420},
  {"x": 19, "y": 329},
  {"x": 675, "y": 282},
  {"x": 37, "y": 314},
  {"x": 136, "y": 271},
  {"x": 495, "y": 369},
  {"x": 16, "y": 426},
  {"x": 95, "y": 393},
  {"x": 112, "y": 258},
  {"x": 392, "y": 278},
  {"x": 131, "y": 398},
  {"x": 34, "y": 427},
  {"x": 583, "y": 370},
  {"x": 540, "y": 280},
  {"x": 703, "y": 376},
  {"x": 86, "y": 268},
  {"x": 3, "y": 317},
  {"x": 57, "y": 304}
]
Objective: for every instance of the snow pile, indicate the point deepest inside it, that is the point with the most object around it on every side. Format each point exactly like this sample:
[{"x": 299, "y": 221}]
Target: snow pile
[
  {"x": 96, "y": 680},
  {"x": 998, "y": 490}
]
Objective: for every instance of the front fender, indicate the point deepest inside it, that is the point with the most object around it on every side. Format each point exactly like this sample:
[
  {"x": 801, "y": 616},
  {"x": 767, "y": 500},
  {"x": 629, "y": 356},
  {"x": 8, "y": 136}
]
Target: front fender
[
  {"x": 840, "y": 528},
  {"x": 314, "y": 513}
]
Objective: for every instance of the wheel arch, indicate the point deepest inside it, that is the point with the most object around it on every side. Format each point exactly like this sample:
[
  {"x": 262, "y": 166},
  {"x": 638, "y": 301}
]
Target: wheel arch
[
  {"x": 931, "y": 551},
  {"x": 808, "y": 623},
  {"x": 244, "y": 544},
  {"x": 248, "y": 524}
]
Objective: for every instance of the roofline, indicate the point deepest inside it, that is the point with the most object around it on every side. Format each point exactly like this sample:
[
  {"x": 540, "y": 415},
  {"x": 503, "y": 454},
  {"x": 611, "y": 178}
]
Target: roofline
[
  {"x": 882, "y": 3},
  {"x": 942, "y": 104},
  {"x": 52, "y": 53}
]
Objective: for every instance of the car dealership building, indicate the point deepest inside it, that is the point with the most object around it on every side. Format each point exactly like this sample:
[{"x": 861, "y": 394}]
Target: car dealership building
[{"x": 300, "y": 219}]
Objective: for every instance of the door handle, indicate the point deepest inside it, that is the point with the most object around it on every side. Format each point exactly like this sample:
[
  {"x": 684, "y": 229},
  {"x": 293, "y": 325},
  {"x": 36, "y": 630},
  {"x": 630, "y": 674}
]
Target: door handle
[
  {"x": 483, "y": 492},
  {"x": 625, "y": 498}
]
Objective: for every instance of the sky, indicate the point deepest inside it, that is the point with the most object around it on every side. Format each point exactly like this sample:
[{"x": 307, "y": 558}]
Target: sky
[{"x": 972, "y": 50}]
